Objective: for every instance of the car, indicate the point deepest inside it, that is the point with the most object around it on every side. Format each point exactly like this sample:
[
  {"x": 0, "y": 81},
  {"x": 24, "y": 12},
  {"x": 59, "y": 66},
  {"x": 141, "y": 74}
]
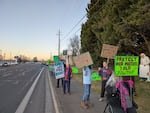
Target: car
[{"x": 5, "y": 64}]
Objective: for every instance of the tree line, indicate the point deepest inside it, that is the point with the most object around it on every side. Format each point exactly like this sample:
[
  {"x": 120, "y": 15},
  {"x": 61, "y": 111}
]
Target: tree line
[{"x": 124, "y": 23}]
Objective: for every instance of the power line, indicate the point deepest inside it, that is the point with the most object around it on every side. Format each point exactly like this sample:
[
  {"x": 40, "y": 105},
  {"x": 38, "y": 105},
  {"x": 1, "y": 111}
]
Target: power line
[
  {"x": 78, "y": 22},
  {"x": 74, "y": 27}
]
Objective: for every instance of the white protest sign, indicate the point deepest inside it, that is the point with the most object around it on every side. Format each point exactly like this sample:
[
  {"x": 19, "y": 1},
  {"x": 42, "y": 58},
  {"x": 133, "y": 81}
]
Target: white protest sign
[{"x": 59, "y": 70}]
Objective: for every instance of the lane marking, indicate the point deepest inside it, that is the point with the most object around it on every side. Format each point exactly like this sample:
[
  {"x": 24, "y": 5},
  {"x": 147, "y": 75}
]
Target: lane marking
[
  {"x": 53, "y": 95},
  {"x": 26, "y": 99}
]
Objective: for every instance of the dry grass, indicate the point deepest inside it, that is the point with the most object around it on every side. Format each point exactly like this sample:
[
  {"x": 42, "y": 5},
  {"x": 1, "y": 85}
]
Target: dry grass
[{"x": 142, "y": 89}]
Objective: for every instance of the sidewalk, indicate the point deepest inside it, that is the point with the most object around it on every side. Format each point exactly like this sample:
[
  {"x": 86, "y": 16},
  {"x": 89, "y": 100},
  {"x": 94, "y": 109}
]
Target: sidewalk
[{"x": 71, "y": 103}]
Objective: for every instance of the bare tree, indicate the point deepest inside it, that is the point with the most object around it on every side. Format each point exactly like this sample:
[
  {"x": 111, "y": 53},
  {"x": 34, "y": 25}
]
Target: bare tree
[{"x": 74, "y": 45}]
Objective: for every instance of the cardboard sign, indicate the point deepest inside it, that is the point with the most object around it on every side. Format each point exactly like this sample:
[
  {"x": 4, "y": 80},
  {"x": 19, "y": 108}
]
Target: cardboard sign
[
  {"x": 83, "y": 60},
  {"x": 59, "y": 70},
  {"x": 109, "y": 51},
  {"x": 126, "y": 65},
  {"x": 95, "y": 76},
  {"x": 75, "y": 70},
  {"x": 56, "y": 59}
]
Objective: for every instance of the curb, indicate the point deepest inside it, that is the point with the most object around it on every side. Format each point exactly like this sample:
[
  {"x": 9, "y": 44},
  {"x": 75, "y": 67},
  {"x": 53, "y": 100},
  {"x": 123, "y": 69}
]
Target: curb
[{"x": 56, "y": 102}]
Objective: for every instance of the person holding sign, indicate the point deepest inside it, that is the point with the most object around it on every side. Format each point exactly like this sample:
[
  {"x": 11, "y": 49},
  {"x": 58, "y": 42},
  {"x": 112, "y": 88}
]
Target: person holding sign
[
  {"x": 87, "y": 72},
  {"x": 67, "y": 78},
  {"x": 144, "y": 67},
  {"x": 105, "y": 73},
  {"x": 61, "y": 79}
]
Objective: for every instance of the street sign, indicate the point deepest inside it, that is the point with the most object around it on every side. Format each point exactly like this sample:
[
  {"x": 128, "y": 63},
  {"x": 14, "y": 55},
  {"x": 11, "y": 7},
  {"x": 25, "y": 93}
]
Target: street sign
[
  {"x": 109, "y": 51},
  {"x": 69, "y": 52},
  {"x": 59, "y": 70},
  {"x": 83, "y": 60},
  {"x": 64, "y": 52},
  {"x": 126, "y": 65}
]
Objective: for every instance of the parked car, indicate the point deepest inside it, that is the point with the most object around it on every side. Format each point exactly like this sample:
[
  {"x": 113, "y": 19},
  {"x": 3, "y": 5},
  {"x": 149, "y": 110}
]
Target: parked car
[{"x": 5, "y": 64}]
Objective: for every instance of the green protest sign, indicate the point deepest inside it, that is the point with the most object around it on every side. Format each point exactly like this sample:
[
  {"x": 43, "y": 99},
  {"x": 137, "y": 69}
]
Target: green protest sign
[
  {"x": 95, "y": 76},
  {"x": 56, "y": 59},
  {"x": 75, "y": 70},
  {"x": 50, "y": 68},
  {"x": 126, "y": 65}
]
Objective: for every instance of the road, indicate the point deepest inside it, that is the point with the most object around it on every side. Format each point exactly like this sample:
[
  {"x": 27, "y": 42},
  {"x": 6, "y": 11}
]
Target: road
[{"x": 15, "y": 83}]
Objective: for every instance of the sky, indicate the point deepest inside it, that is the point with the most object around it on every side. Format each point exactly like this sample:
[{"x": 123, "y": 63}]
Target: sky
[{"x": 30, "y": 27}]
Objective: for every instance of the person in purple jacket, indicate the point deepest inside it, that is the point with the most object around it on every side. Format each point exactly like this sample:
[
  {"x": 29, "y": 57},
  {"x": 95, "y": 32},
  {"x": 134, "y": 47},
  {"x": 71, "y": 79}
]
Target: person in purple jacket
[{"x": 105, "y": 73}]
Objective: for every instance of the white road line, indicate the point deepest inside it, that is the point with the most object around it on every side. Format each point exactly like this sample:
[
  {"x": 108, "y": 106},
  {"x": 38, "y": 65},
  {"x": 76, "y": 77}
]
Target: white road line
[
  {"x": 53, "y": 95},
  {"x": 26, "y": 99}
]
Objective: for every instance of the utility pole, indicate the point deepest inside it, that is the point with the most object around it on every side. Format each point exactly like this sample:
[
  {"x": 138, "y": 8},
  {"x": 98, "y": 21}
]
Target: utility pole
[{"x": 59, "y": 42}]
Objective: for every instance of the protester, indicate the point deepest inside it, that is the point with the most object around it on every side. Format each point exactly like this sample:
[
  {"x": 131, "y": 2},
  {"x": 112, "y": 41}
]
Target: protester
[
  {"x": 87, "y": 71},
  {"x": 126, "y": 78},
  {"x": 125, "y": 88},
  {"x": 105, "y": 73},
  {"x": 67, "y": 78},
  {"x": 144, "y": 67}
]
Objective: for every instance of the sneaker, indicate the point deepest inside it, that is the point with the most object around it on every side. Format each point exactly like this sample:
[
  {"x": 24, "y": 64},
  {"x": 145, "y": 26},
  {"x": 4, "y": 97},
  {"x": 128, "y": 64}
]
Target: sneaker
[
  {"x": 90, "y": 104},
  {"x": 83, "y": 105},
  {"x": 101, "y": 99}
]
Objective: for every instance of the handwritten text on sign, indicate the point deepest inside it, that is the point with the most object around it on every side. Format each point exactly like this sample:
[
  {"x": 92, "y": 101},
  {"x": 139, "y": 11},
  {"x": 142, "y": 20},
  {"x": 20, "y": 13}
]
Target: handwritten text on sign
[
  {"x": 59, "y": 70},
  {"x": 126, "y": 65}
]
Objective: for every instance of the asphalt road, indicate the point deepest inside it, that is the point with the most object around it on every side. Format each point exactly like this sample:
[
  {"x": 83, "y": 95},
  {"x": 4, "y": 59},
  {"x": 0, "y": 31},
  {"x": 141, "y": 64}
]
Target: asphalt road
[{"x": 15, "y": 82}]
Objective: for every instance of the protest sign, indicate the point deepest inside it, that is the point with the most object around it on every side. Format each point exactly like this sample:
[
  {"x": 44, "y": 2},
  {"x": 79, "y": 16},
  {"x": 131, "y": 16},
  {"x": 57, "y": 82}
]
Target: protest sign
[
  {"x": 75, "y": 70},
  {"x": 109, "y": 51},
  {"x": 59, "y": 70},
  {"x": 95, "y": 76},
  {"x": 50, "y": 67},
  {"x": 126, "y": 65},
  {"x": 56, "y": 59},
  {"x": 83, "y": 60}
]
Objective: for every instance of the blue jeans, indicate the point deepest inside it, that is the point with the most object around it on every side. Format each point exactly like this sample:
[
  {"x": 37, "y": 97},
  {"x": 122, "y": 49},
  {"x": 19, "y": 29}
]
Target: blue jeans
[
  {"x": 66, "y": 83},
  {"x": 87, "y": 90}
]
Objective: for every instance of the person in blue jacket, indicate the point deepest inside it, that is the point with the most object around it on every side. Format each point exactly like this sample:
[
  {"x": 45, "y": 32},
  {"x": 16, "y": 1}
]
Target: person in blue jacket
[{"x": 87, "y": 72}]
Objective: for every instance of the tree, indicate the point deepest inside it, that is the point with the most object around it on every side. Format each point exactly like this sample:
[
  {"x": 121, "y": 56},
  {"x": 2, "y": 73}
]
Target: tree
[
  {"x": 35, "y": 59},
  {"x": 75, "y": 45},
  {"x": 124, "y": 23}
]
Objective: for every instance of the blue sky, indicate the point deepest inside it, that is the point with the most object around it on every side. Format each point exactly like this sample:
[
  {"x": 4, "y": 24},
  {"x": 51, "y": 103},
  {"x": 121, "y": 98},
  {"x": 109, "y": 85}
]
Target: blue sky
[{"x": 29, "y": 27}]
